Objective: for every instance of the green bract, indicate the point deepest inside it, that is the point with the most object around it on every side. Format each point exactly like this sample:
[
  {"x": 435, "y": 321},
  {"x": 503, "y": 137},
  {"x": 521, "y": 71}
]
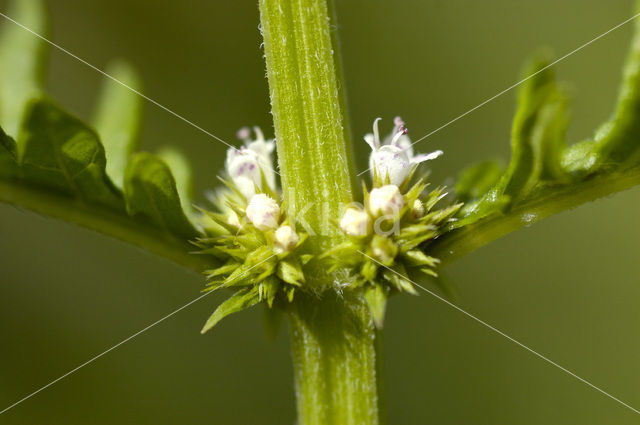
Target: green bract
[{"x": 254, "y": 264}]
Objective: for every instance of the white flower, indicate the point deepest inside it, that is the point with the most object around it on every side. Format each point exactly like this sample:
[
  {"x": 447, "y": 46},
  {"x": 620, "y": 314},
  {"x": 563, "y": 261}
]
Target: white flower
[
  {"x": 246, "y": 165},
  {"x": 263, "y": 212},
  {"x": 355, "y": 222},
  {"x": 285, "y": 239},
  {"x": 393, "y": 158},
  {"x": 386, "y": 200}
]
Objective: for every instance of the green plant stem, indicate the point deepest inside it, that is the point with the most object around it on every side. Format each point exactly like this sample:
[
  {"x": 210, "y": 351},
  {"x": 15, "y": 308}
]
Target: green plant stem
[
  {"x": 336, "y": 362},
  {"x": 333, "y": 339},
  {"x": 306, "y": 107},
  {"x": 546, "y": 202},
  {"x": 102, "y": 220}
]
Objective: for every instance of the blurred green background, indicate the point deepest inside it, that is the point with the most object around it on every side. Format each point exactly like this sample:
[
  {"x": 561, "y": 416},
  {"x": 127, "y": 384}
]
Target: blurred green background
[{"x": 567, "y": 287}]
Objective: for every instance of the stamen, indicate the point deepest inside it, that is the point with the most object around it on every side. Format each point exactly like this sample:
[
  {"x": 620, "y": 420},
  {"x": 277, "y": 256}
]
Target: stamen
[{"x": 401, "y": 132}]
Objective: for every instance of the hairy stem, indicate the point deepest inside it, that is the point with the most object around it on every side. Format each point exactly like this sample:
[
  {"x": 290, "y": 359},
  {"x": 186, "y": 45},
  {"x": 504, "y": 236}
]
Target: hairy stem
[{"x": 333, "y": 339}]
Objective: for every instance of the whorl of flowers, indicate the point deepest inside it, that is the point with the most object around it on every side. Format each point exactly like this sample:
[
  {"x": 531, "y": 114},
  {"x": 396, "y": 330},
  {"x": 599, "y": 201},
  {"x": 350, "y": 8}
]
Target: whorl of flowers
[
  {"x": 388, "y": 233},
  {"x": 251, "y": 234},
  {"x": 259, "y": 246}
]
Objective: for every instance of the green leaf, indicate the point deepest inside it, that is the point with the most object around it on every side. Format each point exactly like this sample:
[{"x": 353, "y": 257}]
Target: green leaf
[
  {"x": 537, "y": 143},
  {"x": 8, "y": 157},
  {"x": 181, "y": 170},
  {"x": 241, "y": 300},
  {"x": 22, "y": 57},
  {"x": 376, "y": 298},
  {"x": 117, "y": 118},
  {"x": 150, "y": 191},
  {"x": 58, "y": 151},
  {"x": 618, "y": 140},
  {"x": 477, "y": 179}
]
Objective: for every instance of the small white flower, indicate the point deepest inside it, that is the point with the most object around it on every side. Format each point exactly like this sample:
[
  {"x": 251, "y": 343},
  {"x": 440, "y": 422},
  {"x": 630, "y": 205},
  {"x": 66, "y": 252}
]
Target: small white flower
[
  {"x": 417, "y": 209},
  {"x": 393, "y": 158},
  {"x": 263, "y": 212},
  {"x": 386, "y": 200},
  {"x": 245, "y": 165},
  {"x": 355, "y": 222},
  {"x": 285, "y": 239}
]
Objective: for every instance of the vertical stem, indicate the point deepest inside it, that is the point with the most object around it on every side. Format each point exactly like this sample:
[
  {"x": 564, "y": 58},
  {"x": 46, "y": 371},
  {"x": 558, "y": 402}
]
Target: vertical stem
[
  {"x": 306, "y": 107},
  {"x": 333, "y": 339},
  {"x": 335, "y": 362}
]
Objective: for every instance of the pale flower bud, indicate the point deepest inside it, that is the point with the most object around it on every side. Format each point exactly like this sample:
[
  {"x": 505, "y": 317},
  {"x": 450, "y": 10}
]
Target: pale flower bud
[
  {"x": 285, "y": 239},
  {"x": 233, "y": 219},
  {"x": 355, "y": 222},
  {"x": 417, "y": 209},
  {"x": 263, "y": 212},
  {"x": 386, "y": 200}
]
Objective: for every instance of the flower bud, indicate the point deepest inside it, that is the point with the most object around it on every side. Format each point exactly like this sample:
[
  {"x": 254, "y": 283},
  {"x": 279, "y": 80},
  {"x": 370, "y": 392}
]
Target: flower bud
[
  {"x": 417, "y": 209},
  {"x": 383, "y": 249},
  {"x": 386, "y": 200},
  {"x": 263, "y": 212},
  {"x": 233, "y": 219},
  {"x": 285, "y": 239},
  {"x": 355, "y": 222}
]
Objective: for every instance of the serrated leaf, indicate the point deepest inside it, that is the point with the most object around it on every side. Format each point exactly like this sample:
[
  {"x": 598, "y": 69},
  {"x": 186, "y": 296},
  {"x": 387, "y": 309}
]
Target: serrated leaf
[
  {"x": 376, "y": 298},
  {"x": 241, "y": 300},
  {"x": 22, "y": 59},
  {"x": 150, "y": 191},
  {"x": 117, "y": 118},
  {"x": 58, "y": 151},
  {"x": 534, "y": 94},
  {"x": 537, "y": 141}
]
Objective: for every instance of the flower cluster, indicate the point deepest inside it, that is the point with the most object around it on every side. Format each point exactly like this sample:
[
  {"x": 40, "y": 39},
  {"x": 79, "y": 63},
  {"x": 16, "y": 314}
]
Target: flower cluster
[
  {"x": 251, "y": 234},
  {"x": 387, "y": 234},
  {"x": 259, "y": 246}
]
